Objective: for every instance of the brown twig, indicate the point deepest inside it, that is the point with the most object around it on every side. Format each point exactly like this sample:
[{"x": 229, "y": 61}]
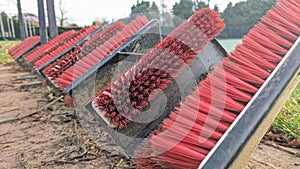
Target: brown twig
[
  {"x": 32, "y": 113},
  {"x": 281, "y": 148},
  {"x": 16, "y": 108},
  {"x": 75, "y": 162}
]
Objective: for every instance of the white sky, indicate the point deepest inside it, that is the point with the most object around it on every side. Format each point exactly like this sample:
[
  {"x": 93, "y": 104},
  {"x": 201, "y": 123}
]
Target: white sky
[{"x": 84, "y": 12}]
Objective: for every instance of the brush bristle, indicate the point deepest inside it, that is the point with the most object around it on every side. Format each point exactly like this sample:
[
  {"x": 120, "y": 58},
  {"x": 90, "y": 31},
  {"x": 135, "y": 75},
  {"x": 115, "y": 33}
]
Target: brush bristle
[
  {"x": 72, "y": 40},
  {"x": 158, "y": 67},
  {"x": 83, "y": 65},
  {"x": 192, "y": 129},
  {"x": 45, "y": 47},
  {"x": 23, "y": 46},
  {"x": 55, "y": 69}
]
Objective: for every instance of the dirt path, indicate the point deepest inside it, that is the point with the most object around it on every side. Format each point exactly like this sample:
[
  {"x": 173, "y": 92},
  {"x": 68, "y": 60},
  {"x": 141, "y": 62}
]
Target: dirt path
[{"x": 53, "y": 138}]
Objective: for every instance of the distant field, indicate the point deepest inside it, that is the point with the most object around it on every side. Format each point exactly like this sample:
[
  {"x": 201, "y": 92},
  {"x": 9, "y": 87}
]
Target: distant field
[{"x": 229, "y": 44}]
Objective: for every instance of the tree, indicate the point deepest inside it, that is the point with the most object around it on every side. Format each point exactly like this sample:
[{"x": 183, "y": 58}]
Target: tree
[
  {"x": 216, "y": 8},
  {"x": 153, "y": 11},
  {"x": 145, "y": 9},
  {"x": 183, "y": 9},
  {"x": 140, "y": 7},
  {"x": 200, "y": 4},
  {"x": 242, "y": 16},
  {"x": 63, "y": 12}
]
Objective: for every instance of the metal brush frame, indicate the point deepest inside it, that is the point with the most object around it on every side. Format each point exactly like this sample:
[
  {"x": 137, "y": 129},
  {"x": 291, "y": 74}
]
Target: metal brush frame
[
  {"x": 211, "y": 55},
  {"x": 242, "y": 137},
  {"x": 19, "y": 59}
]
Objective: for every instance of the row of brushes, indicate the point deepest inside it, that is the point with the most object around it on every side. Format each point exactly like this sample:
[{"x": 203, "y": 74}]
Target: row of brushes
[
  {"x": 133, "y": 89},
  {"x": 69, "y": 42},
  {"x": 55, "y": 69},
  {"x": 185, "y": 138},
  {"x": 47, "y": 46},
  {"x": 23, "y": 46},
  {"x": 83, "y": 65},
  {"x": 19, "y": 45}
]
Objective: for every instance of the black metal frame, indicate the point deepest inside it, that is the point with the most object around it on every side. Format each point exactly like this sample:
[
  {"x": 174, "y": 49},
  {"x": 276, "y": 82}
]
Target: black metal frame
[
  {"x": 212, "y": 54},
  {"x": 19, "y": 58}
]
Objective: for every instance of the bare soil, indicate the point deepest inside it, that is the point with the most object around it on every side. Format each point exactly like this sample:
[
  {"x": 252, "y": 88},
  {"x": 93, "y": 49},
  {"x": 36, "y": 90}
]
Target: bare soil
[{"x": 36, "y": 134}]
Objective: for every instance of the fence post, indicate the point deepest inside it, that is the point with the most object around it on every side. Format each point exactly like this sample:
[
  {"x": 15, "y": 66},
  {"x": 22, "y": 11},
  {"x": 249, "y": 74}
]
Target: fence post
[
  {"x": 1, "y": 26},
  {"x": 21, "y": 22},
  {"x": 12, "y": 27},
  {"x": 8, "y": 26},
  {"x": 42, "y": 22},
  {"x": 51, "y": 19}
]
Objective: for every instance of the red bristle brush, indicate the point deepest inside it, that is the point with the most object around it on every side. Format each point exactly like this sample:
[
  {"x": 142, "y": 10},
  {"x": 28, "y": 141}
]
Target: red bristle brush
[
  {"x": 25, "y": 45},
  {"x": 185, "y": 138},
  {"x": 83, "y": 65},
  {"x": 18, "y": 46},
  {"x": 157, "y": 68},
  {"x": 76, "y": 37},
  {"x": 45, "y": 47},
  {"x": 55, "y": 69}
]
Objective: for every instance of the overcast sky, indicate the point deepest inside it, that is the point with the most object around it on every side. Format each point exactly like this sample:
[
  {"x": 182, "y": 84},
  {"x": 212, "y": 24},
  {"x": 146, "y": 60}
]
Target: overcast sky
[{"x": 84, "y": 12}]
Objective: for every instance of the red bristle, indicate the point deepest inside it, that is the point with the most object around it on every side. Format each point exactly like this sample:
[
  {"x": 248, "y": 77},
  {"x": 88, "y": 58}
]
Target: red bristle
[
  {"x": 249, "y": 66},
  {"x": 68, "y": 100},
  {"x": 291, "y": 16},
  {"x": 23, "y": 46},
  {"x": 268, "y": 43},
  {"x": 239, "y": 77},
  {"x": 254, "y": 57},
  {"x": 242, "y": 74},
  {"x": 207, "y": 93},
  {"x": 291, "y": 5},
  {"x": 278, "y": 29},
  {"x": 220, "y": 84},
  {"x": 284, "y": 22},
  {"x": 265, "y": 31},
  {"x": 171, "y": 56},
  {"x": 206, "y": 107},
  {"x": 67, "y": 44},
  {"x": 100, "y": 52},
  {"x": 233, "y": 80},
  {"x": 255, "y": 46}
]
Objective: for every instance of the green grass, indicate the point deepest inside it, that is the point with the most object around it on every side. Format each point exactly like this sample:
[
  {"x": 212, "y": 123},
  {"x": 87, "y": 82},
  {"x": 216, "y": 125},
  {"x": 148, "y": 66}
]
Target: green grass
[
  {"x": 4, "y": 46},
  {"x": 287, "y": 122}
]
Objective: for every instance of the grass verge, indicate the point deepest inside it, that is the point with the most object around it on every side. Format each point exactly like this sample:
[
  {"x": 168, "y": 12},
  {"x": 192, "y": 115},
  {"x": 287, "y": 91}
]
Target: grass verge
[
  {"x": 287, "y": 122},
  {"x": 4, "y": 46}
]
